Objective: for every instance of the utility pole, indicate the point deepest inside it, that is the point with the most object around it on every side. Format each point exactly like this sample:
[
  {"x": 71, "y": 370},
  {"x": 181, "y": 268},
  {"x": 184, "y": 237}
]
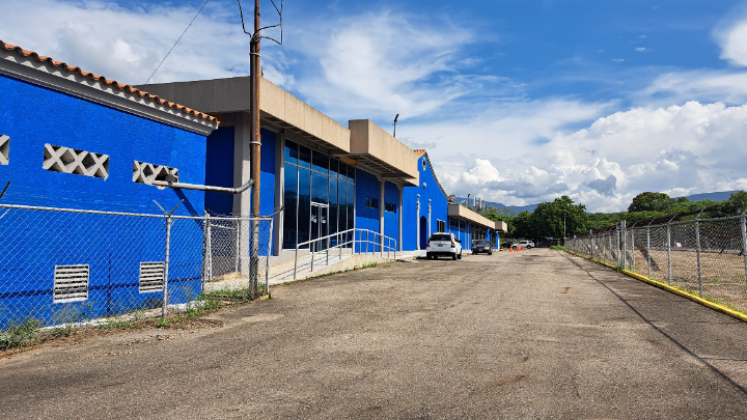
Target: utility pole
[
  {"x": 255, "y": 136},
  {"x": 255, "y": 152}
]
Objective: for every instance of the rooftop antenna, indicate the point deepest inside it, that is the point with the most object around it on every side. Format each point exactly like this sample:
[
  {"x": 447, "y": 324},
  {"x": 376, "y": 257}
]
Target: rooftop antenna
[
  {"x": 395, "y": 126},
  {"x": 256, "y": 142}
]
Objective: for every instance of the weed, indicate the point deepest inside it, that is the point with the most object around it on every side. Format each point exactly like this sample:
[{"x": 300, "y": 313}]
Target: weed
[
  {"x": 714, "y": 281},
  {"x": 20, "y": 335},
  {"x": 163, "y": 323},
  {"x": 714, "y": 300}
]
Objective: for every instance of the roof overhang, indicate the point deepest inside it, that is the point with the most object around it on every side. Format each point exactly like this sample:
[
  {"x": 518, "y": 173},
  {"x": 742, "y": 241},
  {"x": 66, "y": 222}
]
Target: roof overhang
[
  {"x": 378, "y": 152},
  {"x": 501, "y": 226},
  {"x": 74, "y": 82},
  {"x": 279, "y": 109},
  {"x": 457, "y": 211}
]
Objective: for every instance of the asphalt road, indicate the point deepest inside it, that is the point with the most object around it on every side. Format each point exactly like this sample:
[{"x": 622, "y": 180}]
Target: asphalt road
[{"x": 534, "y": 334}]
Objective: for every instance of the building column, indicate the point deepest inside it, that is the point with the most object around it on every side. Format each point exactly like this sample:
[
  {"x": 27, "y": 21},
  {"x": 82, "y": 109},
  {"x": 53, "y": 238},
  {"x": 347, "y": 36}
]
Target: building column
[
  {"x": 382, "y": 182},
  {"x": 242, "y": 174},
  {"x": 429, "y": 218},
  {"x": 417, "y": 227},
  {"x": 399, "y": 210},
  {"x": 277, "y": 234}
]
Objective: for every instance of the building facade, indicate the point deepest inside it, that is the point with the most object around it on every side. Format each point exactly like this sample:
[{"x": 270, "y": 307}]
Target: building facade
[{"x": 76, "y": 140}]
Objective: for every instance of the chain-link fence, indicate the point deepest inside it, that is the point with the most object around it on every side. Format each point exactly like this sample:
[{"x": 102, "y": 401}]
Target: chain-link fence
[
  {"x": 62, "y": 266},
  {"x": 704, "y": 257}
]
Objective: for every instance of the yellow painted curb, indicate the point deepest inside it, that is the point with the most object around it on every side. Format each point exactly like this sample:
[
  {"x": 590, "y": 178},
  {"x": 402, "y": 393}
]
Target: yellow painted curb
[{"x": 696, "y": 299}]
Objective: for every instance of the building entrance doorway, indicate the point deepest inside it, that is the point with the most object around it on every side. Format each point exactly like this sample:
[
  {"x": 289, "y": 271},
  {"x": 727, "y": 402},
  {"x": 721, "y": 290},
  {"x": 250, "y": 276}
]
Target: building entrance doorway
[
  {"x": 319, "y": 226},
  {"x": 423, "y": 232}
]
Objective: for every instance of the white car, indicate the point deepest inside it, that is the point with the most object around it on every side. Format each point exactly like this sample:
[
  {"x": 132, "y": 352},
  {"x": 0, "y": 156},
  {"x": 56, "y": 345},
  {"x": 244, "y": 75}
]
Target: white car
[
  {"x": 527, "y": 244},
  {"x": 443, "y": 244}
]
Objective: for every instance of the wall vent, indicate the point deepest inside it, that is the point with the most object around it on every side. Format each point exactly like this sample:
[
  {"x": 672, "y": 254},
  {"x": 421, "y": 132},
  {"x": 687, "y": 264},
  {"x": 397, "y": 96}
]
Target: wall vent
[
  {"x": 74, "y": 161},
  {"x": 70, "y": 283},
  {"x": 145, "y": 173},
  {"x": 151, "y": 277},
  {"x": 4, "y": 150}
]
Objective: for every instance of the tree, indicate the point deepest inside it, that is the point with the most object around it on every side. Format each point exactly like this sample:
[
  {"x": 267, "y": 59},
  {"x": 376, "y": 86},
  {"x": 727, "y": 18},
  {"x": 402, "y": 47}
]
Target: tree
[
  {"x": 521, "y": 225},
  {"x": 736, "y": 204},
  {"x": 649, "y": 201},
  {"x": 549, "y": 218}
]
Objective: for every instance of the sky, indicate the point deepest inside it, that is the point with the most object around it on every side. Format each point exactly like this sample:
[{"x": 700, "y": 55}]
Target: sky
[{"x": 516, "y": 101}]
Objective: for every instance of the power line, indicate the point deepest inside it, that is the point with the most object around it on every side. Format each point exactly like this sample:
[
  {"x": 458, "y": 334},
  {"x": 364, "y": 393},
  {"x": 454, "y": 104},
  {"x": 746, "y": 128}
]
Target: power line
[{"x": 177, "y": 41}]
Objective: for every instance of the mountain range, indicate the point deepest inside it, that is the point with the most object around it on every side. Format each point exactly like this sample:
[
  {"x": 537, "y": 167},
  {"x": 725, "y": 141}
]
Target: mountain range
[{"x": 514, "y": 210}]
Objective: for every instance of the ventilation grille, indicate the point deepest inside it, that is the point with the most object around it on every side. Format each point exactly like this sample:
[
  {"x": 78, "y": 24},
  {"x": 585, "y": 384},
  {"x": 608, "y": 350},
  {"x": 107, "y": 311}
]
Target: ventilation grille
[
  {"x": 74, "y": 161},
  {"x": 151, "y": 277},
  {"x": 4, "y": 150},
  {"x": 70, "y": 283},
  {"x": 145, "y": 173}
]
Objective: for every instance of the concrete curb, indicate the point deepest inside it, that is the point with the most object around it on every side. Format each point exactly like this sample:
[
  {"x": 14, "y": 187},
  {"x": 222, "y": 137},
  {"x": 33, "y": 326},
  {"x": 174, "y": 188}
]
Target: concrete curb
[{"x": 697, "y": 299}]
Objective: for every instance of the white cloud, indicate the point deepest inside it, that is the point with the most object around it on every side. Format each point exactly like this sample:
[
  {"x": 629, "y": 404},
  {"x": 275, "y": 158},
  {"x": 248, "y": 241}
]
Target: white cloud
[
  {"x": 618, "y": 60},
  {"x": 679, "y": 150},
  {"x": 643, "y": 49},
  {"x": 733, "y": 40},
  {"x": 381, "y": 63},
  {"x": 127, "y": 44}
]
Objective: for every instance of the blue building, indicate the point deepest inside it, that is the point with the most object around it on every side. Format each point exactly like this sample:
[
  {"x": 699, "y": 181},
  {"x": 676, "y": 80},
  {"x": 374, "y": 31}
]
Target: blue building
[
  {"x": 326, "y": 177},
  {"x": 72, "y": 139}
]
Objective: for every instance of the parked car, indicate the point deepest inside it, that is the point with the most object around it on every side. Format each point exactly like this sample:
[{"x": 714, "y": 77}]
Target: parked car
[
  {"x": 527, "y": 244},
  {"x": 511, "y": 245},
  {"x": 482, "y": 245},
  {"x": 443, "y": 245}
]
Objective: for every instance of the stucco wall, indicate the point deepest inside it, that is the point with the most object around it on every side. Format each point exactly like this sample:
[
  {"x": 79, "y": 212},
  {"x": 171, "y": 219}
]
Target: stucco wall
[
  {"x": 366, "y": 185},
  {"x": 391, "y": 220},
  {"x": 113, "y": 246},
  {"x": 428, "y": 189},
  {"x": 219, "y": 169}
]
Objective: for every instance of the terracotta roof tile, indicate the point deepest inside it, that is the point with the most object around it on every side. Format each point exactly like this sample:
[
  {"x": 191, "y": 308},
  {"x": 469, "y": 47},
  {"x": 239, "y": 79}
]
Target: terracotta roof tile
[{"x": 121, "y": 86}]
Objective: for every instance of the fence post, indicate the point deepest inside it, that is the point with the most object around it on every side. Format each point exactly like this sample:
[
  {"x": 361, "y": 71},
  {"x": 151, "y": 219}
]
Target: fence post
[
  {"x": 238, "y": 249},
  {"x": 669, "y": 251},
  {"x": 609, "y": 235},
  {"x": 744, "y": 241},
  {"x": 269, "y": 251},
  {"x": 697, "y": 249},
  {"x": 165, "y": 304},
  {"x": 632, "y": 246},
  {"x": 591, "y": 238},
  {"x": 624, "y": 253},
  {"x": 648, "y": 249},
  {"x": 164, "y": 307},
  {"x": 208, "y": 256}
]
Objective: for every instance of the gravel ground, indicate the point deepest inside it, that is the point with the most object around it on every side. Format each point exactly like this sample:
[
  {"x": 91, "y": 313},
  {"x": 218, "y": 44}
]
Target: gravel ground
[{"x": 534, "y": 334}]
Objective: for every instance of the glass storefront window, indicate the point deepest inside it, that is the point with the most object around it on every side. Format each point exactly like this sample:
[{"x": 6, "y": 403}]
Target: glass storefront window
[
  {"x": 304, "y": 205},
  {"x": 343, "y": 172},
  {"x": 319, "y": 188},
  {"x": 320, "y": 162},
  {"x": 315, "y": 177},
  {"x": 333, "y": 168},
  {"x": 304, "y": 156},
  {"x": 291, "y": 152},
  {"x": 333, "y": 208},
  {"x": 351, "y": 206},
  {"x": 291, "y": 206}
]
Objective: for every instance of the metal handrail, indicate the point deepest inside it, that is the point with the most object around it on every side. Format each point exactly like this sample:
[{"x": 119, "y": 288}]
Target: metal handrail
[{"x": 383, "y": 242}]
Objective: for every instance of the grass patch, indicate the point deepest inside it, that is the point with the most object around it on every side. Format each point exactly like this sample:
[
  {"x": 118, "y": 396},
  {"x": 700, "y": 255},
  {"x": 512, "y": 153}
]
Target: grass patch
[
  {"x": 714, "y": 281},
  {"x": 558, "y": 247},
  {"x": 21, "y": 335}
]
